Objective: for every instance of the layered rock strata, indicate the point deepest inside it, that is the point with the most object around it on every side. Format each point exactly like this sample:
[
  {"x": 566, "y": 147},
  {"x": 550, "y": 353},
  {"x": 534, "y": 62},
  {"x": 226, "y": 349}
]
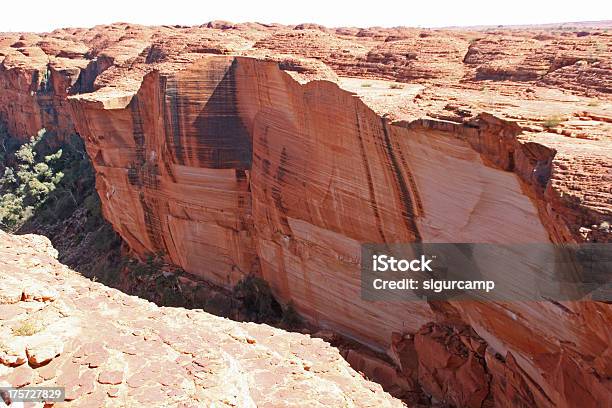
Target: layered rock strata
[
  {"x": 232, "y": 167},
  {"x": 37, "y": 71}
]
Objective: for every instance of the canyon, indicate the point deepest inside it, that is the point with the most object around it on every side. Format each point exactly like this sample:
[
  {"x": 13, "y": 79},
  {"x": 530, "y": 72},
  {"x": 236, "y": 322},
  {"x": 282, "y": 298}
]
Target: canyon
[{"x": 239, "y": 150}]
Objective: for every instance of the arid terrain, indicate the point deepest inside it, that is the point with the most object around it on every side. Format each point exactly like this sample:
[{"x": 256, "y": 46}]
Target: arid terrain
[{"x": 246, "y": 151}]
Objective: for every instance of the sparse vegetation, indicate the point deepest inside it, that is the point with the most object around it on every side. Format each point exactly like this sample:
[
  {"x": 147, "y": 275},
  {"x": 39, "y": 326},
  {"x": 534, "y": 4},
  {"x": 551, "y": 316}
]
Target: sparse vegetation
[
  {"x": 291, "y": 319},
  {"x": 260, "y": 305},
  {"x": 28, "y": 183},
  {"x": 396, "y": 86},
  {"x": 27, "y": 328},
  {"x": 251, "y": 299},
  {"x": 48, "y": 187},
  {"x": 552, "y": 122},
  {"x": 156, "y": 280},
  {"x": 45, "y": 184},
  {"x": 593, "y": 103},
  {"x": 76, "y": 185},
  {"x": 258, "y": 300},
  {"x": 366, "y": 85}
]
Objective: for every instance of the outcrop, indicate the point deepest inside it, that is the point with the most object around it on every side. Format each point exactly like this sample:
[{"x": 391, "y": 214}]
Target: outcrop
[
  {"x": 240, "y": 150},
  {"x": 114, "y": 350}
]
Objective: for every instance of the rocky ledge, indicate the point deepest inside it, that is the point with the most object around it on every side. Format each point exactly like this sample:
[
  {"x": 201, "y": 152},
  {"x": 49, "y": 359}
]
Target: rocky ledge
[{"x": 110, "y": 349}]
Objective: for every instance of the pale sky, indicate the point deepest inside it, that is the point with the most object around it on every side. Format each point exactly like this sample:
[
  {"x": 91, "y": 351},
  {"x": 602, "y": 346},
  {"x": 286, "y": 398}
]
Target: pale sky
[{"x": 46, "y": 15}]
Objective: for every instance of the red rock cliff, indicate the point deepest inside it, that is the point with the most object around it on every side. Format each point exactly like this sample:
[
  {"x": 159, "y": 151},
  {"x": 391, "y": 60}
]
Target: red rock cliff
[{"x": 231, "y": 166}]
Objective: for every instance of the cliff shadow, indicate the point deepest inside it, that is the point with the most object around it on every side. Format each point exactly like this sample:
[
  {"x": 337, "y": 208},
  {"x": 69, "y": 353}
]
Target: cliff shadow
[{"x": 215, "y": 137}]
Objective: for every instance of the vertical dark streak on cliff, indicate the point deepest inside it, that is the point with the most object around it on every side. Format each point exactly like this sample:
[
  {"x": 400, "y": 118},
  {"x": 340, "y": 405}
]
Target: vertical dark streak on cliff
[
  {"x": 243, "y": 182},
  {"x": 413, "y": 187},
  {"x": 146, "y": 172},
  {"x": 405, "y": 197},
  {"x": 137, "y": 130},
  {"x": 222, "y": 139},
  {"x": 277, "y": 195},
  {"x": 366, "y": 164},
  {"x": 165, "y": 150},
  {"x": 134, "y": 173},
  {"x": 144, "y": 175},
  {"x": 152, "y": 223},
  {"x": 172, "y": 120}
]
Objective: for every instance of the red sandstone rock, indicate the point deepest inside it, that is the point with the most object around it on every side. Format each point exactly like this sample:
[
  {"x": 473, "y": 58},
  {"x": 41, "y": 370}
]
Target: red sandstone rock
[
  {"x": 451, "y": 365},
  {"x": 213, "y": 146},
  {"x": 232, "y": 369},
  {"x": 43, "y": 348},
  {"x": 110, "y": 377},
  {"x": 13, "y": 353}
]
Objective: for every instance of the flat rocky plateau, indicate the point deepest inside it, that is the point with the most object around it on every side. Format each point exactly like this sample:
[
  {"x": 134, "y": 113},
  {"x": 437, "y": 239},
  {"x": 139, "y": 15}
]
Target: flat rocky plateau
[{"x": 114, "y": 350}]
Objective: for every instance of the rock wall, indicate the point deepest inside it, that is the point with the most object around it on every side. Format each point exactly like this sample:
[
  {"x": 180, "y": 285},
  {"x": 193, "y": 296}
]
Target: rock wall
[
  {"x": 39, "y": 72},
  {"x": 33, "y": 94},
  {"x": 230, "y": 166},
  {"x": 178, "y": 143}
]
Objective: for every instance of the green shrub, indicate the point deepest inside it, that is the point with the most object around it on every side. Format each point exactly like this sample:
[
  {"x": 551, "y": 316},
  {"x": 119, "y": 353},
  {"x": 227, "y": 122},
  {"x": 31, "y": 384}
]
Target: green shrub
[
  {"x": 257, "y": 298},
  {"x": 291, "y": 319},
  {"x": 11, "y": 210},
  {"x": 48, "y": 184},
  {"x": 27, "y": 328},
  {"x": 552, "y": 122},
  {"x": 28, "y": 183}
]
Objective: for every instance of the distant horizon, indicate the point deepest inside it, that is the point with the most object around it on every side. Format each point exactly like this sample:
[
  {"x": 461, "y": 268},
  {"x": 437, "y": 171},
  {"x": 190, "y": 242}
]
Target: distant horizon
[
  {"x": 340, "y": 13},
  {"x": 600, "y": 24}
]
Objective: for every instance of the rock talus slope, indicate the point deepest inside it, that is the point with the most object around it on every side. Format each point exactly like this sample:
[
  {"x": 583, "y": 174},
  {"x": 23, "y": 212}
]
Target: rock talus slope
[
  {"x": 113, "y": 350},
  {"x": 228, "y": 151}
]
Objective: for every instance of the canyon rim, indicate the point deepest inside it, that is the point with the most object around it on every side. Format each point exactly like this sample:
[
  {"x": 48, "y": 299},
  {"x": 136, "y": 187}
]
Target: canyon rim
[{"x": 246, "y": 161}]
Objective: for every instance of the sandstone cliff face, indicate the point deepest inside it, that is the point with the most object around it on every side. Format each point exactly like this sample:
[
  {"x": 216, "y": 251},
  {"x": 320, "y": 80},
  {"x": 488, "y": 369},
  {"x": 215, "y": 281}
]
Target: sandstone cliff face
[
  {"x": 34, "y": 96},
  {"x": 143, "y": 354},
  {"x": 38, "y": 72},
  {"x": 232, "y": 167},
  {"x": 243, "y": 164}
]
